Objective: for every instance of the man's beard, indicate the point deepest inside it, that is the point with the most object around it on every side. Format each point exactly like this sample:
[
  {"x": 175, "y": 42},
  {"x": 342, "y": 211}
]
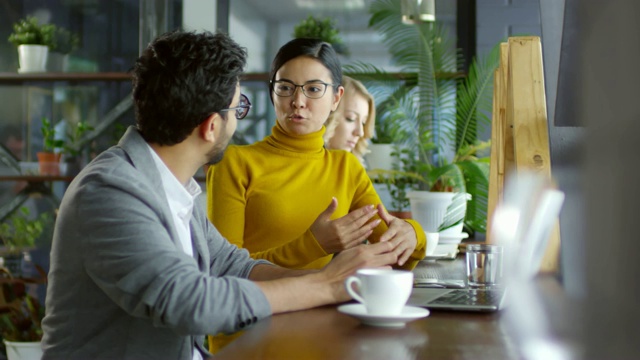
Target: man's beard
[
  {"x": 215, "y": 156},
  {"x": 217, "y": 152}
]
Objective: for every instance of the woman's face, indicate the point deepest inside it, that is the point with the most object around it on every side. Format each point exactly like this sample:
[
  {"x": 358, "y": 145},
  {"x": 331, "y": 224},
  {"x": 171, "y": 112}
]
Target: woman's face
[
  {"x": 298, "y": 114},
  {"x": 351, "y": 116}
]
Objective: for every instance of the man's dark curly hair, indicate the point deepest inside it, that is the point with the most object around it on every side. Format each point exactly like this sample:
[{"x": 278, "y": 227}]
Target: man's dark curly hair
[{"x": 180, "y": 79}]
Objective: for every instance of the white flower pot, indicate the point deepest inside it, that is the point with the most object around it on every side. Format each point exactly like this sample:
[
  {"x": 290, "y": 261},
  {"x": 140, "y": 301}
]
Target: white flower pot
[
  {"x": 379, "y": 157},
  {"x": 23, "y": 350},
  {"x": 33, "y": 58},
  {"x": 429, "y": 209}
]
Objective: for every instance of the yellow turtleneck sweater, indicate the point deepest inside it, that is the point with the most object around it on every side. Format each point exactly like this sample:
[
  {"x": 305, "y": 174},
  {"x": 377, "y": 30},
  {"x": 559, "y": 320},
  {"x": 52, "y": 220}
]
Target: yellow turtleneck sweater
[{"x": 265, "y": 196}]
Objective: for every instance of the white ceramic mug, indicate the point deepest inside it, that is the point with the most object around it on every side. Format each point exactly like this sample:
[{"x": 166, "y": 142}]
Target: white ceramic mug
[
  {"x": 381, "y": 291},
  {"x": 432, "y": 242}
]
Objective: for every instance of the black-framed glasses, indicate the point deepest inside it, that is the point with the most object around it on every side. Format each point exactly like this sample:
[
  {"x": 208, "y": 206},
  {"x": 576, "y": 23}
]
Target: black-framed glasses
[
  {"x": 311, "y": 89},
  {"x": 242, "y": 109}
]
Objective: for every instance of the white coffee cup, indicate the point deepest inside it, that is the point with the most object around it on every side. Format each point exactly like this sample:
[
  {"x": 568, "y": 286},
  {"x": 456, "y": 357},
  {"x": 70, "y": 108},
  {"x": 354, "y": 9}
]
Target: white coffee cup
[
  {"x": 432, "y": 242},
  {"x": 381, "y": 291}
]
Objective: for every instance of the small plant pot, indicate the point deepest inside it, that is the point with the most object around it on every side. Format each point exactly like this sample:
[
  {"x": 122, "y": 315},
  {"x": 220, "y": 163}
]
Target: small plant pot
[
  {"x": 429, "y": 209},
  {"x": 57, "y": 62},
  {"x": 380, "y": 157},
  {"x": 49, "y": 163},
  {"x": 33, "y": 58},
  {"x": 28, "y": 350}
]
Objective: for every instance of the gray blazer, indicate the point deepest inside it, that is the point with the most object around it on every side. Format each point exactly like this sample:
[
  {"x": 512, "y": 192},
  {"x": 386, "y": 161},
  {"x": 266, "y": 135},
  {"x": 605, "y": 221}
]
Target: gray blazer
[{"x": 120, "y": 286}]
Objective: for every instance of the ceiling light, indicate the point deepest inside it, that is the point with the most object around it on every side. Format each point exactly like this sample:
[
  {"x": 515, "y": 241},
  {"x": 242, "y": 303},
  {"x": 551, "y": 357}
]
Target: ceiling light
[
  {"x": 330, "y": 4},
  {"x": 415, "y": 11}
]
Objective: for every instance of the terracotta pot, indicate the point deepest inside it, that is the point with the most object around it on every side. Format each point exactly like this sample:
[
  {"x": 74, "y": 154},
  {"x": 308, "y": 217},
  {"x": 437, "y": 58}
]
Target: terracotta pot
[
  {"x": 401, "y": 214},
  {"x": 49, "y": 163}
]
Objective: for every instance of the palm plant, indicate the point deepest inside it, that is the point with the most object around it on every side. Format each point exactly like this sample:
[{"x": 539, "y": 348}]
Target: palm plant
[{"x": 438, "y": 111}]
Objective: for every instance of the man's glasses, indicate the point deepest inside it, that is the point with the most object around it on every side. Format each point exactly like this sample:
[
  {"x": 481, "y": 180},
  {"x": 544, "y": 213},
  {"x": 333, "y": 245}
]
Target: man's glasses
[
  {"x": 242, "y": 109},
  {"x": 312, "y": 90}
]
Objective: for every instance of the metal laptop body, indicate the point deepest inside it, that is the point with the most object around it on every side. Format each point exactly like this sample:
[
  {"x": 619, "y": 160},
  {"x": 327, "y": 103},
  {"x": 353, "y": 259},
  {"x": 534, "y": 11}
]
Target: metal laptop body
[{"x": 458, "y": 299}]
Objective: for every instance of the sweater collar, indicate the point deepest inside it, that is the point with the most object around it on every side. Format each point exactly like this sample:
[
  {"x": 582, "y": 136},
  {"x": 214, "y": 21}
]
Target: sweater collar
[{"x": 310, "y": 143}]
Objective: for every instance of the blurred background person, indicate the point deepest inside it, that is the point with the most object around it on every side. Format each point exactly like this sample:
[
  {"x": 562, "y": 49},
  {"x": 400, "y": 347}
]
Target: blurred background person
[{"x": 352, "y": 124}]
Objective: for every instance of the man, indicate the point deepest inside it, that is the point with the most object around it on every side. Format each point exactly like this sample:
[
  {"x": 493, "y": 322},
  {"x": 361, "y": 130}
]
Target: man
[{"x": 137, "y": 271}]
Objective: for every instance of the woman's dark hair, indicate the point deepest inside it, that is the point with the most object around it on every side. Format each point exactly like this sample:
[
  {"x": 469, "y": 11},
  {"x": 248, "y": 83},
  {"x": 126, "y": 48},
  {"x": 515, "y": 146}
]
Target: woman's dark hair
[
  {"x": 180, "y": 79},
  {"x": 314, "y": 48}
]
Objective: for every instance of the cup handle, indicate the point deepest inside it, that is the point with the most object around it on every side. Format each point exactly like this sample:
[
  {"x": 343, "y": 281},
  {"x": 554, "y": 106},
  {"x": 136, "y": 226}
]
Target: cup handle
[{"x": 349, "y": 285}]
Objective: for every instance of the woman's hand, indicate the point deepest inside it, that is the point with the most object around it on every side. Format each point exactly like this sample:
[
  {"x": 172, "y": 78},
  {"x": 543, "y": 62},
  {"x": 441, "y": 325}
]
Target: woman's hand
[
  {"x": 345, "y": 232},
  {"x": 400, "y": 233}
]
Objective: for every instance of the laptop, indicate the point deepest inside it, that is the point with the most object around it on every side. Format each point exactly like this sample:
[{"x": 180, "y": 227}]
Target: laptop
[{"x": 522, "y": 223}]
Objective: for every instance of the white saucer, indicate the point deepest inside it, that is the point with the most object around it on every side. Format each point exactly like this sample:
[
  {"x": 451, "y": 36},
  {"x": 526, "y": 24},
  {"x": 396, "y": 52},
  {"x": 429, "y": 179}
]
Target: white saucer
[
  {"x": 408, "y": 313},
  {"x": 452, "y": 238}
]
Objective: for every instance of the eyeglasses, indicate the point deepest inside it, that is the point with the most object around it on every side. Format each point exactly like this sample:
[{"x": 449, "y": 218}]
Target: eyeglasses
[
  {"x": 312, "y": 90},
  {"x": 242, "y": 109}
]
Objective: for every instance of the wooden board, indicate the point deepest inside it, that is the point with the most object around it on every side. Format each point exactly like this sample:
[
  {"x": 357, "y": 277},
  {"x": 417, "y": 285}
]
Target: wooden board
[
  {"x": 499, "y": 134},
  {"x": 520, "y": 135}
]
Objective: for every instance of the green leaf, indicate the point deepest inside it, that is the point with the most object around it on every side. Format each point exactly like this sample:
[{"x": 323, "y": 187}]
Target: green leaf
[{"x": 455, "y": 211}]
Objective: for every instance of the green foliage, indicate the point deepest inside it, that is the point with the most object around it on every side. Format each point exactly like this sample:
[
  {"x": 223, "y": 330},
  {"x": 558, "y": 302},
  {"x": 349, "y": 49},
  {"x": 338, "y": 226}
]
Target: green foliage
[
  {"x": 28, "y": 32},
  {"x": 437, "y": 113},
  {"x": 384, "y": 130},
  {"x": 323, "y": 29},
  {"x": 398, "y": 181},
  {"x": 50, "y": 143},
  {"x": 117, "y": 132},
  {"x": 20, "y": 232},
  {"x": 74, "y": 137},
  {"x": 20, "y": 314},
  {"x": 64, "y": 41}
]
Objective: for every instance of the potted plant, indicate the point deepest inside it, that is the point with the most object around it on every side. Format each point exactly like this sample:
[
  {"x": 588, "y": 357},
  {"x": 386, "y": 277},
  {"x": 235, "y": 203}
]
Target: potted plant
[
  {"x": 56, "y": 148},
  {"x": 49, "y": 157},
  {"x": 438, "y": 113},
  {"x": 382, "y": 142},
  {"x": 18, "y": 235},
  {"x": 20, "y": 316},
  {"x": 396, "y": 181},
  {"x": 63, "y": 43},
  {"x": 71, "y": 148},
  {"x": 323, "y": 29},
  {"x": 33, "y": 41}
]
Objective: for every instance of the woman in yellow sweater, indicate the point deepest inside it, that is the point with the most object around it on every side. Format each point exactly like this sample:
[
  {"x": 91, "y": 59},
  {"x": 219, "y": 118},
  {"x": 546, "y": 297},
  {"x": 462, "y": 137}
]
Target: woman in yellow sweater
[
  {"x": 289, "y": 200},
  {"x": 352, "y": 124}
]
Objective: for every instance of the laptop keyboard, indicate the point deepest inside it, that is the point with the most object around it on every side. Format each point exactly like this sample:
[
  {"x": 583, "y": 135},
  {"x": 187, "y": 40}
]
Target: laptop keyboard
[{"x": 469, "y": 297}]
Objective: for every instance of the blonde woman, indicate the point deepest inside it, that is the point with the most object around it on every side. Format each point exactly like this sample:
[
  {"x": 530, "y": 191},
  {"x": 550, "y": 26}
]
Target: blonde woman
[{"x": 351, "y": 125}]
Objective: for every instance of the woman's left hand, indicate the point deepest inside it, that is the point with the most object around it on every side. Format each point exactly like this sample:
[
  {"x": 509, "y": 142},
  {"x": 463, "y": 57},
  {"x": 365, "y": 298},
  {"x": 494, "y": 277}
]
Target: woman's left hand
[{"x": 400, "y": 233}]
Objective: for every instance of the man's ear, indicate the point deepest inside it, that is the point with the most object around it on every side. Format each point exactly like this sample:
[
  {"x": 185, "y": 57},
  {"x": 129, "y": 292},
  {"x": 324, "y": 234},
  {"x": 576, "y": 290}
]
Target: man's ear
[{"x": 207, "y": 128}]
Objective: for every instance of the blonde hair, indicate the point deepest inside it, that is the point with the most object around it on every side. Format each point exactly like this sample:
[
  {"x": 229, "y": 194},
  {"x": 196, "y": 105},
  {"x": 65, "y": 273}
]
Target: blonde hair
[{"x": 355, "y": 86}]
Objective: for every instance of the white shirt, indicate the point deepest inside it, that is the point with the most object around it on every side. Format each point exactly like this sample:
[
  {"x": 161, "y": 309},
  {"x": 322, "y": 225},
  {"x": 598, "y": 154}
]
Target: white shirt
[{"x": 181, "y": 199}]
